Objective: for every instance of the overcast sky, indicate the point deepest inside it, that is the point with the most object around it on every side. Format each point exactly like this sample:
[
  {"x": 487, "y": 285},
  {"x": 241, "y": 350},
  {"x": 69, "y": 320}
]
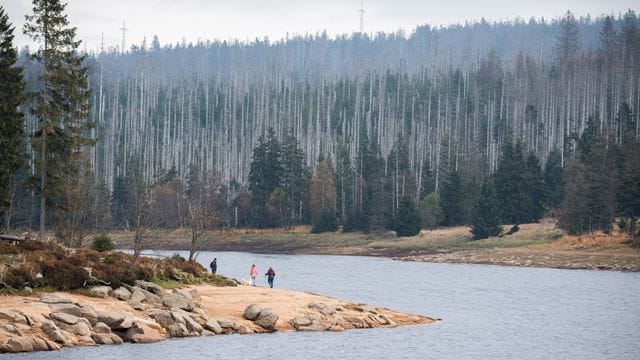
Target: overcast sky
[{"x": 174, "y": 20}]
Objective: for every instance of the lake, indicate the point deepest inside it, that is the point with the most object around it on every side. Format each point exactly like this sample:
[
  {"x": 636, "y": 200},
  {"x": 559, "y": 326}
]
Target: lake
[{"x": 487, "y": 312}]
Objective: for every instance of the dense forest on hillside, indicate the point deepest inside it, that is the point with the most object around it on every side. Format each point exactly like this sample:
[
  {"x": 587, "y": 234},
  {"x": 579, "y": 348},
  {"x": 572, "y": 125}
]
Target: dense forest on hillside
[{"x": 357, "y": 129}]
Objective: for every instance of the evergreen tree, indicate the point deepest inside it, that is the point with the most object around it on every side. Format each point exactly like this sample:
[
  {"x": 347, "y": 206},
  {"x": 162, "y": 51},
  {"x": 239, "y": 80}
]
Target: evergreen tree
[
  {"x": 486, "y": 220},
  {"x": 430, "y": 211},
  {"x": 511, "y": 185},
  {"x": 407, "y": 220},
  {"x": 589, "y": 200},
  {"x": 265, "y": 176},
  {"x": 427, "y": 180},
  {"x": 567, "y": 41},
  {"x": 11, "y": 119},
  {"x": 295, "y": 177},
  {"x": 553, "y": 178},
  {"x": 322, "y": 197},
  {"x": 344, "y": 185},
  {"x": 452, "y": 200},
  {"x": 120, "y": 203},
  {"x": 62, "y": 104},
  {"x": 535, "y": 188}
]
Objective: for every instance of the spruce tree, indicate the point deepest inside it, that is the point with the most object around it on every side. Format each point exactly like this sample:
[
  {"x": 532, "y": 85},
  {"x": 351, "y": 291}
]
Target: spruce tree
[
  {"x": 486, "y": 219},
  {"x": 344, "y": 185},
  {"x": 511, "y": 186},
  {"x": 62, "y": 104},
  {"x": 452, "y": 200},
  {"x": 535, "y": 189},
  {"x": 11, "y": 119},
  {"x": 553, "y": 178},
  {"x": 407, "y": 220},
  {"x": 265, "y": 176},
  {"x": 295, "y": 178},
  {"x": 427, "y": 180}
]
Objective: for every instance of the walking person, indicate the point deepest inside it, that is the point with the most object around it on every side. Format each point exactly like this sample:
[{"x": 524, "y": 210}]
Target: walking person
[
  {"x": 270, "y": 275},
  {"x": 214, "y": 265},
  {"x": 253, "y": 273}
]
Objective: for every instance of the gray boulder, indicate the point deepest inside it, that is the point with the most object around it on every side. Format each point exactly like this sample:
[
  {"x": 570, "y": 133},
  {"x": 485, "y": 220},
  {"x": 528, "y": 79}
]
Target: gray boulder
[
  {"x": 177, "y": 330},
  {"x": 54, "y": 333},
  {"x": 121, "y": 293},
  {"x": 54, "y": 299},
  {"x": 175, "y": 301},
  {"x": 267, "y": 319},
  {"x": 99, "y": 291},
  {"x": 65, "y": 308},
  {"x": 24, "y": 344},
  {"x": 213, "y": 326},
  {"x": 252, "y": 311},
  {"x": 151, "y": 287},
  {"x": 111, "y": 318},
  {"x": 301, "y": 322}
]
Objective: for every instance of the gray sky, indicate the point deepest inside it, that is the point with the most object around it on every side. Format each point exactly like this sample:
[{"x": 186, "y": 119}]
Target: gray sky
[{"x": 175, "y": 20}]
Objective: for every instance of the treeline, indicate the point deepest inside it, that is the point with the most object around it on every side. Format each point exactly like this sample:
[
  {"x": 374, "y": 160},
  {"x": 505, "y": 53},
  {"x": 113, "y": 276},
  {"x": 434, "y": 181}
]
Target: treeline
[{"x": 360, "y": 132}]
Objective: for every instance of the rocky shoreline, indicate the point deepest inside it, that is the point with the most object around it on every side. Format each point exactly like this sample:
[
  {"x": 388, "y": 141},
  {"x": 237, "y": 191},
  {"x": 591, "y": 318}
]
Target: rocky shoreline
[{"x": 147, "y": 313}]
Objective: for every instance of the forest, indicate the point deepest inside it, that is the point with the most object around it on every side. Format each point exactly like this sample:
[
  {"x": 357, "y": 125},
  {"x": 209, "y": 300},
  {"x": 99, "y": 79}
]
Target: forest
[{"x": 480, "y": 124}]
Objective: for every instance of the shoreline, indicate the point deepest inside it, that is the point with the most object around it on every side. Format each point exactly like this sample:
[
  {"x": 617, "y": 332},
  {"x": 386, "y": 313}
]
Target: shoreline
[
  {"x": 535, "y": 245},
  {"x": 146, "y": 313}
]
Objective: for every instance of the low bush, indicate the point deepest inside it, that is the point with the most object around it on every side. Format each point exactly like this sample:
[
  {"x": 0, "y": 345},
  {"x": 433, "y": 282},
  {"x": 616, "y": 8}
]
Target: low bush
[
  {"x": 102, "y": 243},
  {"x": 62, "y": 275},
  {"x": 19, "y": 276},
  {"x": 326, "y": 222}
]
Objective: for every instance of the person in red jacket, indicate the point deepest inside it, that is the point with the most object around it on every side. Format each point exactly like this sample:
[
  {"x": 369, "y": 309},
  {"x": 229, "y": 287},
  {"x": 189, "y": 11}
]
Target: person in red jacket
[
  {"x": 270, "y": 275},
  {"x": 253, "y": 273}
]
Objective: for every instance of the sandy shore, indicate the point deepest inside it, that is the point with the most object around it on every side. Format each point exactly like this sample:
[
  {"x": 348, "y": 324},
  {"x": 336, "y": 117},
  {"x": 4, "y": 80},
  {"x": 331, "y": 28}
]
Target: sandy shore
[{"x": 51, "y": 321}]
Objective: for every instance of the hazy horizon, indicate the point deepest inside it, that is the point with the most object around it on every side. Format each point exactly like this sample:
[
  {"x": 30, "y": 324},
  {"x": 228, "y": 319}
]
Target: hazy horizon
[{"x": 251, "y": 19}]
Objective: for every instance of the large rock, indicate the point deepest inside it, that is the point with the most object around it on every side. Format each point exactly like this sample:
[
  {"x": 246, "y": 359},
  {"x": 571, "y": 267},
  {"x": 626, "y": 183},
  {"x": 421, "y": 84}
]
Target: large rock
[
  {"x": 267, "y": 319},
  {"x": 141, "y": 295},
  {"x": 23, "y": 344},
  {"x": 111, "y": 318},
  {"x": 151, "y": 287},
  {"x": 15, "y": 316},
  {"x": 106, "y": 339},
  {"x": 99, "y": 291},
  {"x": 101, "y": 328},
  {"x": 301, "y": 322},
  {"x": 162, "y": 317},
  {"x": 54, "y": 299},
  {"x": 143, "y": 333},
  {"x": 81, "y": 327},
  {"x": 64, "y": 318},
  {"x": 323, "y": 308},
  {"x": 243, "y": 329},
  {"x": 87, "y": 312},
  {"x": 10, "y": 329},
  {"x": 214, "y": 326},
  {"x": 252, "y": 311},
  {"x": 121, "y": 293},
  {"x": 175, "y": 301},
  {"x": 66, "y": 308},
  {"x": 185, "y": 294},
  {"x": 54, "y": 333},
  {"x": 315, "y": 326},
  {"x": 177, "y": 330}
]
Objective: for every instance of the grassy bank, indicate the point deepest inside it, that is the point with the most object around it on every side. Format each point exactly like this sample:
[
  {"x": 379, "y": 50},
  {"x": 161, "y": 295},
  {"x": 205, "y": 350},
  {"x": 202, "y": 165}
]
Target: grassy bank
[{"x": 541, "y": 244}]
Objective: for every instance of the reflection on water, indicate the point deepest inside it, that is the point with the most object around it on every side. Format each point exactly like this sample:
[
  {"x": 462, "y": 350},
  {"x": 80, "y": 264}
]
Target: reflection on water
[{"x": 488, "y": 312}]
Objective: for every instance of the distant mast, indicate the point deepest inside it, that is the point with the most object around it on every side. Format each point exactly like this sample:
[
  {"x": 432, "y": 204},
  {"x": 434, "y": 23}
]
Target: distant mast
[
  {"x": 124, "y": 30},
  {"x": 361, "y": 11}
]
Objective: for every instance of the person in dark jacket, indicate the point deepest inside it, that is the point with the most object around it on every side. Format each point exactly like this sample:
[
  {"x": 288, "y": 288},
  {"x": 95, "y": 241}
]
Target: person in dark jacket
[
  {"x": 270, "y": 275},
  {"x": 214, "y": 265}
]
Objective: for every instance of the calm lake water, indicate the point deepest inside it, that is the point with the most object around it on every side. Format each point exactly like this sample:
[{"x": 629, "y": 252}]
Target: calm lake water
[{"x": 487, "y": 312}]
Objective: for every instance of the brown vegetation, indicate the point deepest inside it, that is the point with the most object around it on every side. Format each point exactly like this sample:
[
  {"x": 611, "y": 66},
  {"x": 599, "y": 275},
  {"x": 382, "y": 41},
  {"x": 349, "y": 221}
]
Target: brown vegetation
[{"x": 47, "y": 264}]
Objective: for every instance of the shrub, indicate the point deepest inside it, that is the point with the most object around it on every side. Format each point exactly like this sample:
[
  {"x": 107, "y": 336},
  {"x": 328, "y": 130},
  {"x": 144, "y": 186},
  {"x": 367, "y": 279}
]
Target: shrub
[
  {"x": 62, "y": 275},
  {"x": 8, "y": 249},
  {"x": 514, "y": 229},
  {"x": 19, "y": 276},
  {"x": 178, "y": 257},
  {"x": 102, "y": 243},
  {"x": 326, "y": 222}
]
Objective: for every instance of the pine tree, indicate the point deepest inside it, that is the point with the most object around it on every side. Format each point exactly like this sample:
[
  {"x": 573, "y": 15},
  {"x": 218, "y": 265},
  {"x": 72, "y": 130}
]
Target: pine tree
[
  {"x": 536, "y": 190},
  {"x": 295, "y": 178},
  {"x": 510, "y": 182},
  {"x": 11, "y": 119},
  {"x": 486, "y": 220},
  {"x": 407, "y": 220},
  {"x": 62, "y": 104},
  {"x": 344, "y": 185},
  {"x": 553, "y": 178},
  {"x": 322, "y": 197},
  {"x": 452, "y": 200},
  {"x": 567, "y": 41},
  {"x": 265, "y": 177},
  {"x": 427, "y": 180},
  {"x": 430, "y": 211}
]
